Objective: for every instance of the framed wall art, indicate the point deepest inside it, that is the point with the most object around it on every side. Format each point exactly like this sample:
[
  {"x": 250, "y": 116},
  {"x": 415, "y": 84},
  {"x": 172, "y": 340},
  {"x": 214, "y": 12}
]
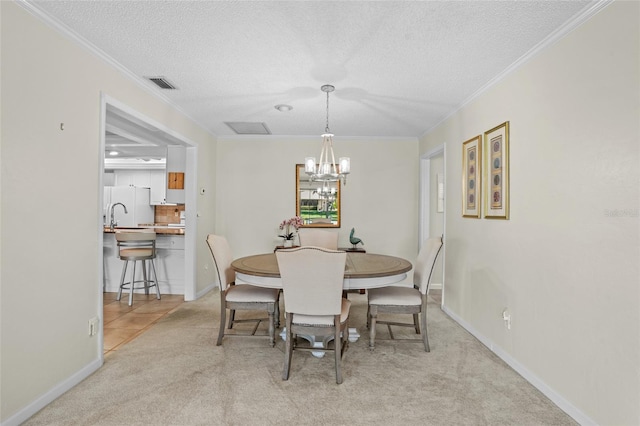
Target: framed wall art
[
  {"x": 471, "y": 177},
  {"x": 496, "y": 169}
]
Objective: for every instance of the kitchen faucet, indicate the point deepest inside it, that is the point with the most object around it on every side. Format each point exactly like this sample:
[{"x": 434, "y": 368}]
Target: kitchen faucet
[{"x": 112, "y": 224}]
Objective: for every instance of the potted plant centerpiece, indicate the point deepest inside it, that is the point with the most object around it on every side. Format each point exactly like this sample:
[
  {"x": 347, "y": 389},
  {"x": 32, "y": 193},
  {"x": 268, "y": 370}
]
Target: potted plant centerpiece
[{"x": 289, "y": 228}]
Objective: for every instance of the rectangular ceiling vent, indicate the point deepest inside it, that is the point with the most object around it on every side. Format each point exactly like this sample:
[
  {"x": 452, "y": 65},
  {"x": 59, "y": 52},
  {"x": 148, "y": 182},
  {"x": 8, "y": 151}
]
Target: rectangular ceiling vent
[
  {"x": 248, "y": 128},
  {"x": 161, "y": 82}
]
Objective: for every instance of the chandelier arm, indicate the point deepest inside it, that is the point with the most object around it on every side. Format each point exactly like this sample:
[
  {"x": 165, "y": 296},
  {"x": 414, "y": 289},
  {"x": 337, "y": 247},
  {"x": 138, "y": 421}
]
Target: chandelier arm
[
  {"x": 333, "y": 158},
  {"x": 323, "y": 160}
]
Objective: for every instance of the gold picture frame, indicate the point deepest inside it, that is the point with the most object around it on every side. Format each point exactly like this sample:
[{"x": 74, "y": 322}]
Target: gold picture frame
[
  {"x": 496, "y": 172},
  {"x": 472, "y": 177}
]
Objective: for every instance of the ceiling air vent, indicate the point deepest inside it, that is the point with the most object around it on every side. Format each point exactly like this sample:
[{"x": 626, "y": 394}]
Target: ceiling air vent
[
  {"x": 161, "y": 82},
  {"x": 248, "y": 128}
]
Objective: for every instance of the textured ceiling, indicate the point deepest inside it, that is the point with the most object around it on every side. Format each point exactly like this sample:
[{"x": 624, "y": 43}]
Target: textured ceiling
[{"x": 399, "y": 67}]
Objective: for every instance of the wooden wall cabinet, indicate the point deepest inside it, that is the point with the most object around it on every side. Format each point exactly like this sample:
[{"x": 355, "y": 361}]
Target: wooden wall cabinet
[{"x": 176, "y": 168}]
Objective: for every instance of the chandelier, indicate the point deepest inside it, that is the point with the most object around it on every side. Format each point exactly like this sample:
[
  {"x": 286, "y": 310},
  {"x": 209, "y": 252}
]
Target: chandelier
[
  {"x": 327, "y": 170},
  {"x": 326, "y": 191}
]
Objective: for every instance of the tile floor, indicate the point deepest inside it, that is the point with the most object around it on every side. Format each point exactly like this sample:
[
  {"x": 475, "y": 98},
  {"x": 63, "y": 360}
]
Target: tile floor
[{"x": 123, "y": 323}]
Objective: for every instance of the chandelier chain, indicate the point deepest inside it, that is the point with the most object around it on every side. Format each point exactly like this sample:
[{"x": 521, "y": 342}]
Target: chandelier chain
[{"x": 326, "y": 129}]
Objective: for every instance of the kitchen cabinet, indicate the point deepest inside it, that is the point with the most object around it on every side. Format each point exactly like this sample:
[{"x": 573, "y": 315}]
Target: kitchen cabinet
[
  {"x": 109, "y": 178},
  {"x": 158, "y": 185},
  {"x": 154, "y": 179},
  {"x": 136, "y": 201},
  {"x": 169, "y": 264},
  {"x": 140, "y": 178}
]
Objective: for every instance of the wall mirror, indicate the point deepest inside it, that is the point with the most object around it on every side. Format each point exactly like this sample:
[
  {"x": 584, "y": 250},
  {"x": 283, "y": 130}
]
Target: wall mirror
[{"x": 317, "y": 203}]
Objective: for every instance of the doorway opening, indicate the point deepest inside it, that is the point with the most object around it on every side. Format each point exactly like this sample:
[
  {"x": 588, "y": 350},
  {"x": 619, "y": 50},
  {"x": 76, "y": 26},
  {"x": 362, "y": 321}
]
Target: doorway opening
[
  {"x": 139, "y": 139},
  {"x": 433, "y": 207}
]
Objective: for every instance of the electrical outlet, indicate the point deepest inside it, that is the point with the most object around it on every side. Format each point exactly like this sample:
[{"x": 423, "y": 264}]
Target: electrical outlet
[
  {"x": 506, "y": 317},
  {"x": 93, "y": 326}
]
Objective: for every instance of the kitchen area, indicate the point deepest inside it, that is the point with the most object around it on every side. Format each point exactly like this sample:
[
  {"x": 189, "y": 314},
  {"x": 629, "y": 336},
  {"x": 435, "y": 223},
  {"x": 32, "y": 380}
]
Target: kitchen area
[
  {"x": 144, "y": 188},
  {"x": 166, "y": 220}
]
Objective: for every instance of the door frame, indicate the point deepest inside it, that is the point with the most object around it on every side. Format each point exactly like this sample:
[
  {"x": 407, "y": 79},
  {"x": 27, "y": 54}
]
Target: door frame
[
  {"x": 425, "y": 201},
  {"x": 191, "y": 182}
]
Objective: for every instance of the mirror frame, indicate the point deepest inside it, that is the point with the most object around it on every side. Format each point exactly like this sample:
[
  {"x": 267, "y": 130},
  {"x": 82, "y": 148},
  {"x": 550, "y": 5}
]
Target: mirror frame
[{"x": 300, "y": 176}]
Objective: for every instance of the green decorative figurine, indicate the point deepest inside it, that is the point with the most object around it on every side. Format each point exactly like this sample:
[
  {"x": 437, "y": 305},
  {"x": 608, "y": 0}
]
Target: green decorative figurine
[{"x": 354, "y": 240}]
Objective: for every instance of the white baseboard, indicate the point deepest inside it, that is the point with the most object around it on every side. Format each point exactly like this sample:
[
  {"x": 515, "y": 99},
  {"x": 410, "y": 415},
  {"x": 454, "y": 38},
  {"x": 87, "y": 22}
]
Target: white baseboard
[
  {"x": 205, "y": 291},
  {"x": 435, "y": 286},
  {"x": 54, "y": 393},
  {"x": 538, "y": 383},
  {"x": 58, "y": 390}
]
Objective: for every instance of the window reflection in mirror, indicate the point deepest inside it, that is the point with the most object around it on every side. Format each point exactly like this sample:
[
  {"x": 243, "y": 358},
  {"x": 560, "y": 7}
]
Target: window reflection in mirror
[{"x": 317, "y": 203}]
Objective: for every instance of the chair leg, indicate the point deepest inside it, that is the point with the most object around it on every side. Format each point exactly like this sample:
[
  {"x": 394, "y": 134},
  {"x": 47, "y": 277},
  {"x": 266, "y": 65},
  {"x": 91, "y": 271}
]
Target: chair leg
[
  {"x": 155, "y": 278},
  {"x": 122, "y": 277},
  {"x": 223, "y": 318},
  {"x": 272, "y": 329},
  {"x": 145, "y": 278},
  {"x": 416, "y": 323},
  {"x": 425, "y": 337},
  {"x": 132, "y": 284},
  {"x": 232, "y": 317},
  {"x": 277, "y": 313},
  {"x": 368, "y": 314},
  {"x": 345, "y": 338},
  {"x": 372, "y": 327},
  {"x": 288, "y": 349},
  {"x": 338, "y": 349}
]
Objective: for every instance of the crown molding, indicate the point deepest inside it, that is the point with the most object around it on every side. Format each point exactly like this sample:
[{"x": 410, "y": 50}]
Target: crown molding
[
  {"x": 583, "y": 16},
  {"x": 94, "y": 50}
]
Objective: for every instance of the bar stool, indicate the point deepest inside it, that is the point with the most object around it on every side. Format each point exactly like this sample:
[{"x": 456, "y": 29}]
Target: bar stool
[{"x": 134, "y": 247}]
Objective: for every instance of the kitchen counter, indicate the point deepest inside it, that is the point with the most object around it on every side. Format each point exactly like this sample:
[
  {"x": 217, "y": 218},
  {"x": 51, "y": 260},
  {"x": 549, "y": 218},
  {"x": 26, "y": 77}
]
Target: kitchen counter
[{"x": 159, "y": 229}]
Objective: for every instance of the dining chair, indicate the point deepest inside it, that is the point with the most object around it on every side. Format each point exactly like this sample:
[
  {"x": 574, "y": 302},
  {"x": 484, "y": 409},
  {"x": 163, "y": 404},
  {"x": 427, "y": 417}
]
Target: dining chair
[
  {"x": 242, "y": 296},
  {"x": 312, "y": 279},
  {"x": 318, "y": 238},
  {"x": 406, "y": 300}
]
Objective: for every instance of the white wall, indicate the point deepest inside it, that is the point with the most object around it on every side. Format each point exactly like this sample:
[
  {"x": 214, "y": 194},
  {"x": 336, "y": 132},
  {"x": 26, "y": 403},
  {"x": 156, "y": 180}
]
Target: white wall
[
  {"x": 50, "y": 218},
  {"x": 566, "y": 263},
  {"x": 256, "y": 191},
  {"x": 206, "y": 217}
]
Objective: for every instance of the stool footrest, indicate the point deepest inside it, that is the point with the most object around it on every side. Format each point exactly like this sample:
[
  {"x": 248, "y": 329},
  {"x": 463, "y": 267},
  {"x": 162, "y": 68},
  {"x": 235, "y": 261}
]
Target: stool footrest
[
  {"x": 147, "y": 281},
  {"x": 127, "y": 284}
]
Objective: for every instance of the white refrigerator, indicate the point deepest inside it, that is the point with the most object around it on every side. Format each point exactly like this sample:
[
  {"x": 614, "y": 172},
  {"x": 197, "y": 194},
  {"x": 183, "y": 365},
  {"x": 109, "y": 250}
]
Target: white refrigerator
[{"x": 135, "y": 199}]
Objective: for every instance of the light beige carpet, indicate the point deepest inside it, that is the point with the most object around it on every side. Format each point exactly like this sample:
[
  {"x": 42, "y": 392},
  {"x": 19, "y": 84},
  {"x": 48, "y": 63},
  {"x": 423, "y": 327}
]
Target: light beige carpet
[{"x": 175, "y": 375}]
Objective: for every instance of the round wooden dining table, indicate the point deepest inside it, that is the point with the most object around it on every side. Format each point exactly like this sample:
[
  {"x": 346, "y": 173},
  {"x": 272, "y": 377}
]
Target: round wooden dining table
[{"x": 362, "y": 270}]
